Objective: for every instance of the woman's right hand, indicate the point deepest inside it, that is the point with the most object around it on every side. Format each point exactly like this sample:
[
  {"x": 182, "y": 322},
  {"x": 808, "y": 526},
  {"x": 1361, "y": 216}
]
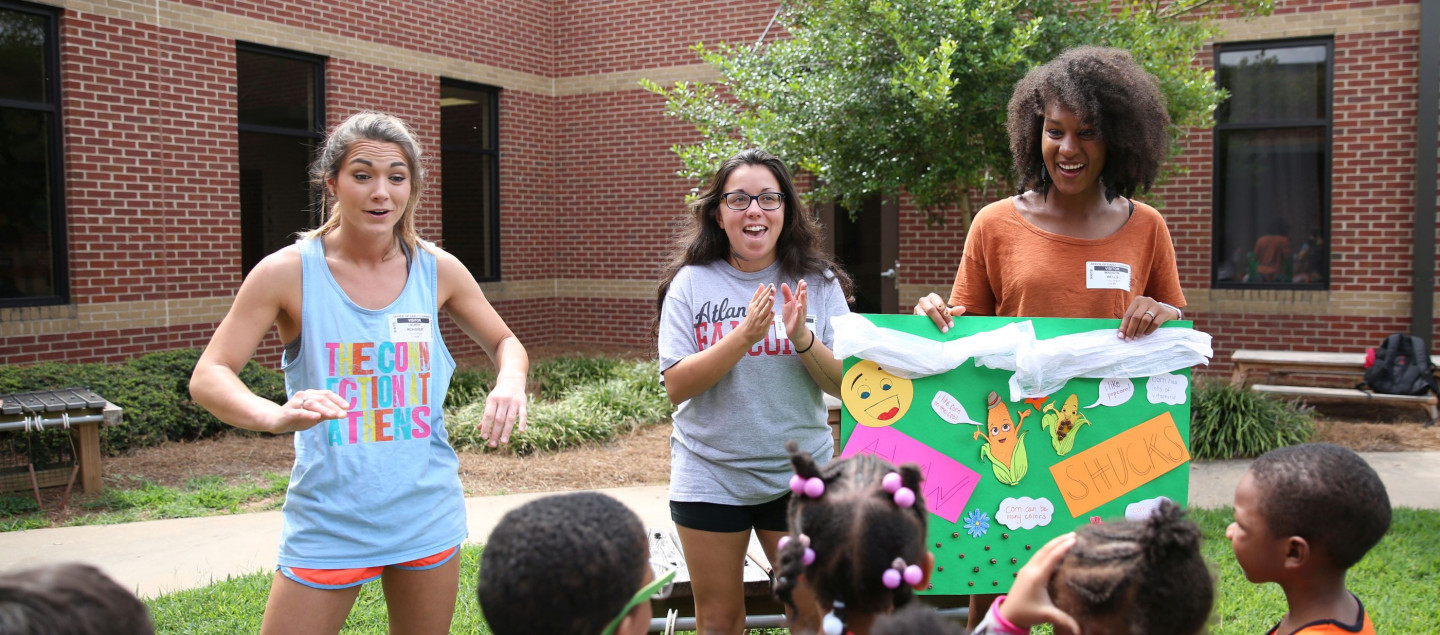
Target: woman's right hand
[
  {"x": 758, "y": 317},
  {"x": 943, "y": 316},
  {"x": 305, "y": 409}
]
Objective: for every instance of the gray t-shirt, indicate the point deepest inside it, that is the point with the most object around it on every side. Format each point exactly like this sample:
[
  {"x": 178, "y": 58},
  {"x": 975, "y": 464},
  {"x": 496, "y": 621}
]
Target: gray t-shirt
[{"x": 728, "y": 445}]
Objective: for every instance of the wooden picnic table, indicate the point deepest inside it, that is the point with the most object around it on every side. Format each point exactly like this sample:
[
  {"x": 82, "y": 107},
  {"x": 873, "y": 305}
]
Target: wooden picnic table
[{"x": 76, "y": 409}]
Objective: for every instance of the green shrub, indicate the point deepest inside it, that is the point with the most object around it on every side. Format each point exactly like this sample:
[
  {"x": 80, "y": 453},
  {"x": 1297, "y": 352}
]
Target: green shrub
[
  {"x": 1228, "y": 422},
  {"x": 551, "y": 379},
  {"x": 595, "y": 409},
  {"x": 153, "y": 390},
  {"x": 469, "y": 385}
]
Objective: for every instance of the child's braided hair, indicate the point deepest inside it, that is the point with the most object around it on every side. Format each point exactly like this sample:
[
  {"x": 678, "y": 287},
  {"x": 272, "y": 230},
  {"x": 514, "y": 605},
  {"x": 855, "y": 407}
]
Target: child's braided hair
[
  {"x": 1147, "y": 574},
  {"x": 856, "y": 529}
]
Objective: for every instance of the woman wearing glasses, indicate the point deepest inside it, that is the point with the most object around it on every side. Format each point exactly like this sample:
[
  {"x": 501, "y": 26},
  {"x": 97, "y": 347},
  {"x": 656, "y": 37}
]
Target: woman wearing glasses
[{"x": 744, "y": 309}]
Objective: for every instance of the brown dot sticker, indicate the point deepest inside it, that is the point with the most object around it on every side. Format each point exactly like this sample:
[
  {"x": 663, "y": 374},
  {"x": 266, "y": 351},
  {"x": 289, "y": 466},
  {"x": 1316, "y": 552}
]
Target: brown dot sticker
[
  {"x": 987, "y": 547},
  {"x": 992, "y": 561},
  {"x": 1014, "y": 561},
  {"x": 1027, "y": 547},
  {"x": 962, "y": 556},
  {"x": 994, "y": 583},
  {"x": 937, "y": 545},
  {"x": 1004, "y": 535},
  {"x": 977, "y": 569},
  {"x": 955, "y": 535},
  {"x": 972, "y": 583},
  {"x": 929, "y": 587},
  {"x": 939, "y": 568}
]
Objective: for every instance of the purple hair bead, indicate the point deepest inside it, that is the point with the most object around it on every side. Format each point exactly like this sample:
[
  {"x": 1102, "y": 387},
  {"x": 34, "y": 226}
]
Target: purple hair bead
[
  {"x": 797, "y": 484},
  {"x": 808, "y": 558}
]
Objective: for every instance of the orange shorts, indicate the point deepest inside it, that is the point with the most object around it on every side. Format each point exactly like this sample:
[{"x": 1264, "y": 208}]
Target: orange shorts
[{"x": 346, "y": 578}]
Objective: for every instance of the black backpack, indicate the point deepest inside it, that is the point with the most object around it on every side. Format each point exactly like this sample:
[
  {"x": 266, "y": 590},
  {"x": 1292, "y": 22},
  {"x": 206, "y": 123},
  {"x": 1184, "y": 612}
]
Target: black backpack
[{"x": 1402, "y": 367}]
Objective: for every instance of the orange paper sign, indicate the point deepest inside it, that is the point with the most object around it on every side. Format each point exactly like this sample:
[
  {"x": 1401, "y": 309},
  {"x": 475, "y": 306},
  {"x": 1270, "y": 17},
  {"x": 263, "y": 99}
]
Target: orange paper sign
[{"x": 1120, "y": 464}]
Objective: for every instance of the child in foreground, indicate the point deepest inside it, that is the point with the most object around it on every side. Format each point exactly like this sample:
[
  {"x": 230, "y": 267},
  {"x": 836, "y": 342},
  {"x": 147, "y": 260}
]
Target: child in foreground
[
  {"x": 1304, "y": 515},
  {"x": 70, "y": 599},
  {"x": 568, "y": 564}
]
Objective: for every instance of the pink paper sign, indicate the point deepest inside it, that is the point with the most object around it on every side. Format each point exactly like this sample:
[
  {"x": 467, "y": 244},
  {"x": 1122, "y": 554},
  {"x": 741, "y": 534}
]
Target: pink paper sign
[{"x": 948, "y": 484}]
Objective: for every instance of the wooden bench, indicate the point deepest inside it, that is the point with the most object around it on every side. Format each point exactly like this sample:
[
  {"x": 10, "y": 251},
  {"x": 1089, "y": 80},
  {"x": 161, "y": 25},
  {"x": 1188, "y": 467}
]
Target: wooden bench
[
  {"x": 75, "y": 409},
  {"x": 1276, "y": 366}
]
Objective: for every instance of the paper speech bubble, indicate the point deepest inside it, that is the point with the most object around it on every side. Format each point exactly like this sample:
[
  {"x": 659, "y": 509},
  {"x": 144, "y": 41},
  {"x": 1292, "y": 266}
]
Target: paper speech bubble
[
  {"x": 1140, "y": 510},
  {"x": 1167, "y": 388},
  {"x": 949, "y": 409},
  {"x": 1114, "y": 391},
  {"x": 1025, "y": 512}
]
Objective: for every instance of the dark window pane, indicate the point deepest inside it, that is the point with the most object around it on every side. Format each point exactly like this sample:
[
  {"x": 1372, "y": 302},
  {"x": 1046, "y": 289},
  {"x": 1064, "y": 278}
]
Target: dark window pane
[
  {"x": 1272, "y": 224},
  {"x": 27, "y": 262},
  {"x": 1273, "y": 84},
  {"x": 22, "y": 55},
  {"x": 275, "y": 198},
  {"x": 275, "y": 91},
  {"x": 469, "y": 218},
  {"x": 465, "y": 118}
]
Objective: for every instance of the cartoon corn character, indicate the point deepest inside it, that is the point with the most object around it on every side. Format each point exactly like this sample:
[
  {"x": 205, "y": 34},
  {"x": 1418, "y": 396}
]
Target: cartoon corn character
[
  {"x": 1004, "y": 445},
  {"x": 1063, "y": 424}
]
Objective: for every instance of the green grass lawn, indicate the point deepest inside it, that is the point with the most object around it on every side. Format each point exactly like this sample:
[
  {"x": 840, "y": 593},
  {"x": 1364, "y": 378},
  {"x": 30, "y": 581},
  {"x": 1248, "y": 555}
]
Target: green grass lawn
[
  {"x": 1397, "y": 581},
  {"x": 145, "y": 500}
]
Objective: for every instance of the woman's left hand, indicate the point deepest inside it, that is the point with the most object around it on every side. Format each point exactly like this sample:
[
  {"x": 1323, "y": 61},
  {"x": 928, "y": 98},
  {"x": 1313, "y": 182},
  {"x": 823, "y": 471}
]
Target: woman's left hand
[
  {"x": 504, "y": 409},
  {"x": 792, "y": 312},
  {"x": 1144, "y": 316}
]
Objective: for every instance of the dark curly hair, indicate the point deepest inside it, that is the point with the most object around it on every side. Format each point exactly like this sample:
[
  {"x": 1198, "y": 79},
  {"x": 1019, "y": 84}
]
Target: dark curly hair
[
  {"x": 1325, "y": 494},
  {"x": 856, "y": 530},
  {"x": 562, "y": 564},
  {"x": 1105, "y": 88},
  {"x": 916, "y": 619},
  {"x": 1147, "y": 575},
  {"x": 69, "y": 599},
  {"x": 703, "y": 240}
]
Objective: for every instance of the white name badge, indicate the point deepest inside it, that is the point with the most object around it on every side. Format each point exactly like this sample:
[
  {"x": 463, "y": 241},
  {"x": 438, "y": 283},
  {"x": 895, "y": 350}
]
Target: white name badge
[
  {"x": 411, "y": 327},
  {"x": 1107, "y": 275},
  {"x": 780, "y": 325}
]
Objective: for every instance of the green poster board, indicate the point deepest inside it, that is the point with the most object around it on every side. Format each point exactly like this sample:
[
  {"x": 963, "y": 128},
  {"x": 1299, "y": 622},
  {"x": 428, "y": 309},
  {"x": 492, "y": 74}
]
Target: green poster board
[{"x": 998, "y": 496}]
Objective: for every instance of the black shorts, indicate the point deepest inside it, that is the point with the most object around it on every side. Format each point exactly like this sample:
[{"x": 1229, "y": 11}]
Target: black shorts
[{"x": 769, "y": 516}]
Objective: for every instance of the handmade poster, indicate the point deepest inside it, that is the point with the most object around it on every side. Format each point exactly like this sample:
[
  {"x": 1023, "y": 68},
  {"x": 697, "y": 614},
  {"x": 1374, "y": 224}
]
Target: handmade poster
[{"x": 1004, "y": 475}]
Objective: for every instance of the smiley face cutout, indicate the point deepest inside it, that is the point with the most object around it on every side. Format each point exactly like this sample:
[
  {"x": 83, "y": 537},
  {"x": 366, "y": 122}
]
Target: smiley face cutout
[{"x": 873, "y": 396}]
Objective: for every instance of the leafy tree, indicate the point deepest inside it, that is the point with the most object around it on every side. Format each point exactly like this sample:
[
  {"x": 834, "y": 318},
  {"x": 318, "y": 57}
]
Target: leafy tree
[{"x": 910, "y": 95}]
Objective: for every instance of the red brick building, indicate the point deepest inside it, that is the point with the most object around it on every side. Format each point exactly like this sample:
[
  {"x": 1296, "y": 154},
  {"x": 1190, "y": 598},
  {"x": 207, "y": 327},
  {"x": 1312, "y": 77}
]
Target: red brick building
[{"x": 160, "y": 148}]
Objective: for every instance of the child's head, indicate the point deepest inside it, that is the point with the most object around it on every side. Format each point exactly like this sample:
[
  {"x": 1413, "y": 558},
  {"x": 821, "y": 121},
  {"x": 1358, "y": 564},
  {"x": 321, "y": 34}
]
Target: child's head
[
  {"x": 570, "y": 563},
  {"x": 848, "y": 536},
  {"x": 915, "y": 619},
  {"x": 1305, "y": 506},
  {"x": 69, "y": 598},
  {"x": 1136, "y": 576}
]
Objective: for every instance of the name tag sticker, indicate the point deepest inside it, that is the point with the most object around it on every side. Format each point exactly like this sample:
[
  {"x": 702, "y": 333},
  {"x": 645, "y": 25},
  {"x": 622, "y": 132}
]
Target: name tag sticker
[
  {"x": 411, "y": 327},
  {"x": 1107, "y": 275}
]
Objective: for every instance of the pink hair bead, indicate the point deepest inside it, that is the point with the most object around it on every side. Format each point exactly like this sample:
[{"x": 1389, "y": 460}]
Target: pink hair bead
[
  {"x": 891, "y": 482},
  {"x": 891, "y": 578},
  {"x": 905, "y": 497},
  {"x": 814, "y": 487},
  {"x": 797, "y": 484},
  {"x": 913, "y": 575},
  {"x": 784, "y": 540}
]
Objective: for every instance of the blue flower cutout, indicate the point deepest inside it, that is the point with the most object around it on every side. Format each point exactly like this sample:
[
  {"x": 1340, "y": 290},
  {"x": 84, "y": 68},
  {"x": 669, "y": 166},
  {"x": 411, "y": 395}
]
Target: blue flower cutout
[{"x": 977, "y": 523}]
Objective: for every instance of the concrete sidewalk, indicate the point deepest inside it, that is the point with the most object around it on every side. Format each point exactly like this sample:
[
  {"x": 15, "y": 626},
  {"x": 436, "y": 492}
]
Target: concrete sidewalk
[{"x": 158, "y": 557}]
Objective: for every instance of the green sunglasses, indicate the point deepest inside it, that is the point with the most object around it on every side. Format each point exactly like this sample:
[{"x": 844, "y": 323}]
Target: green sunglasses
[{"x": 643, "y": 595}]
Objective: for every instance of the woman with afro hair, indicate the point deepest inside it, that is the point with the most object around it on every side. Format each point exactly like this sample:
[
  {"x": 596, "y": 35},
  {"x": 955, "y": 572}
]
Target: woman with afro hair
[{"x": 1087, "y": 131}]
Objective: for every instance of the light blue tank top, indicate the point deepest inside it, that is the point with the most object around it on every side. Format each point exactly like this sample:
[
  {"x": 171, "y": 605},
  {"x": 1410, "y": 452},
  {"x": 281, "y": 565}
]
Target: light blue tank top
[{"x": 380, "y": 486}]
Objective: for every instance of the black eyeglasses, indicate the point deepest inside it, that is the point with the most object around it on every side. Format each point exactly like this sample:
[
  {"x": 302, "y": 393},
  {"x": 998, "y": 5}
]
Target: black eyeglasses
[{"x": 740, "y": 201}]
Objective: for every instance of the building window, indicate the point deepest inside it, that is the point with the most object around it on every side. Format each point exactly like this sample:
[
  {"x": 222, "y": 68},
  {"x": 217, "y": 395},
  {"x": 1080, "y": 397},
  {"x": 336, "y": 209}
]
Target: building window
[
  {"x": 281, "y": 114},
  {"x": 470, "y": 176},
  {"x": 1272, "y": 165},
  {"x": 32, "y": 218}
]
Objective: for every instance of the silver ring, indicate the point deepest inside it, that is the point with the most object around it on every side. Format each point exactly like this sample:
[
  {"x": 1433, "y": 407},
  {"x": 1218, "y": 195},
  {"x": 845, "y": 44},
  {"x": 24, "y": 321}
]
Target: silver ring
[
  {"x": 303, "y": 402},
  {"x": 1150, "y": 313}
]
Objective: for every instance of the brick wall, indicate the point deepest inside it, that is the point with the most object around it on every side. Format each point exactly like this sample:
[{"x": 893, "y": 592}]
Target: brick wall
[{"x": 589, "y": 196}]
